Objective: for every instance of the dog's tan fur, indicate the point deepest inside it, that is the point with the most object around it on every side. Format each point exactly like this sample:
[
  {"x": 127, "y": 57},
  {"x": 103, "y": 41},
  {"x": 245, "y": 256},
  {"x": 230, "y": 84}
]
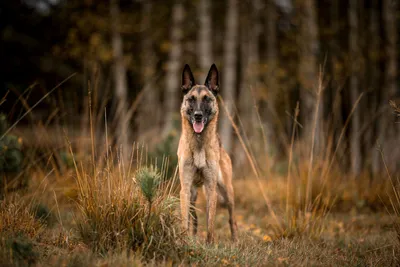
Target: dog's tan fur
[{"x": 203, "y": 161}]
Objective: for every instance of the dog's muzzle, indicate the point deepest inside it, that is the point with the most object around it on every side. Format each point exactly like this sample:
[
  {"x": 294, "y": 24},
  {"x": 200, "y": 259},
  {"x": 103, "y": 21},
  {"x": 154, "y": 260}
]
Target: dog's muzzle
[{"x": 198, "y": 122}]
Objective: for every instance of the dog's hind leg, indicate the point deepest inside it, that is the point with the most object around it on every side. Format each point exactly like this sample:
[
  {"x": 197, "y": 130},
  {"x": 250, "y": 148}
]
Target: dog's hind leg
[
  {"x": 227, "y": 201},
  {"x": 193, "y": 198},
  {"x": 231, "y": 207}
]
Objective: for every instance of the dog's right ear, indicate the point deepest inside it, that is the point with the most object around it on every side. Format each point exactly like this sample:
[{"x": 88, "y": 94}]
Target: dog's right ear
[
  {"x": 187, "y": 79},
  {"x": 212, "y": 80}
]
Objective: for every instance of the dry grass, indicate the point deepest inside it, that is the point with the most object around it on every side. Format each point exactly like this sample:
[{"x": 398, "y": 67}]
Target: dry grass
[
  {"x": 18, "y": 227},
  {"x": 305, "y": 207},
  {"x": 124, "y": 209},
  {"x": 101, "y": 232},
  {"x": 18, "y": 219},
  {"x": 395, "y": 108},
  {"x": 114, "y": 213}
]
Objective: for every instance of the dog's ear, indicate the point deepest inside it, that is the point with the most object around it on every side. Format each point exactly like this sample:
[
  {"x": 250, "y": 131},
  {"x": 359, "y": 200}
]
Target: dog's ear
[
  {"x": 212, "y": 80},
  {"x": 187, "y": 79}
]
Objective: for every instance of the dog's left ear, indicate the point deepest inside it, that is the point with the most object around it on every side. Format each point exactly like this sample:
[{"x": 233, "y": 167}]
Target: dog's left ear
[
  {"x": 212, "y": 80},
  {"x": 187, "y": 79}
]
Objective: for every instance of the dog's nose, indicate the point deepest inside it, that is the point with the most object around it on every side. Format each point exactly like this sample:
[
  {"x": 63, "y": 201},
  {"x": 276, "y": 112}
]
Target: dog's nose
[{"x": 198, "y": 115}]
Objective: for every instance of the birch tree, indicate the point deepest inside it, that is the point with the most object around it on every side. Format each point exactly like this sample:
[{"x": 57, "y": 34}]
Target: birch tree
[
  {"x": 253, "y": 70},
  {"x": 229, "y": 78},
  {"x": 374, "y": 75},
  {"x": 355, "y": 145},
  {"x": 335, "y": 49},
  {"x": 387, "y": 133},
  {"x": 205, "y": 36},
  {"x": 270, "y": 78},
  {"x": 120, "y": 81},
  {"x": 272, "y": 50},
  {"x": 148, "y": 62},
  {"x": 174, "y": 66},
  {"x": 249, "y": 81},
  {"x": 308, "y": 69},
  {"x": 244, "y": 100}
]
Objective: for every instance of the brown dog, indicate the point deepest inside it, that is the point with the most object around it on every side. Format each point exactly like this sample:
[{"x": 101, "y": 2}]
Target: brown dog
[{"x": 202, "y": 160}]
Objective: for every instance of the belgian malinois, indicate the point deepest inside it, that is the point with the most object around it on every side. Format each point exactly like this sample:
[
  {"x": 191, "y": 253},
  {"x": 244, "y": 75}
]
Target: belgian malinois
[{"x": 202, "y": 160}]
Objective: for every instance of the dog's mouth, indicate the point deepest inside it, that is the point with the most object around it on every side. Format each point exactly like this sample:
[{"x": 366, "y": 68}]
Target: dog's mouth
[{"x": 198, "y": 126}]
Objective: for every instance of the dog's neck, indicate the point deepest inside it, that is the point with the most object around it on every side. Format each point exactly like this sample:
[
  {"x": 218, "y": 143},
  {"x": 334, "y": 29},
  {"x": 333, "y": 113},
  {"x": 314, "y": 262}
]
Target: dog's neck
[{"x": 198, "y": 140}]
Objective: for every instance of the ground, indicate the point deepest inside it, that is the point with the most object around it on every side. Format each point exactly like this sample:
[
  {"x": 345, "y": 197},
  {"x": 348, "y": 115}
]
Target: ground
[{"x": 352, "y": 238}]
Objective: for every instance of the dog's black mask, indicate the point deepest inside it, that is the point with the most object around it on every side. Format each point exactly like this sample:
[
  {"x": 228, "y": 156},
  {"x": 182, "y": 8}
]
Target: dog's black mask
[{"x": 199, "y": 104}]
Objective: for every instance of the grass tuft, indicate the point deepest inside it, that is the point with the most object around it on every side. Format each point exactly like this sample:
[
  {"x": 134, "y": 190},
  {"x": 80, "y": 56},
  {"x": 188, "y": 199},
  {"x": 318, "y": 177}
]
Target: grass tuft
[
  {"x": 128, "y": 211},
  {"x": 17, "y": 219}
]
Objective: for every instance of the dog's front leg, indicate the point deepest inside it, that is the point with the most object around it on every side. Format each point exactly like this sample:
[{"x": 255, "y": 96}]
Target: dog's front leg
[
  {"x": 185, "y": 198},
  {"x": 186, "y": 173},
  {"x": 210, "y": 185}
]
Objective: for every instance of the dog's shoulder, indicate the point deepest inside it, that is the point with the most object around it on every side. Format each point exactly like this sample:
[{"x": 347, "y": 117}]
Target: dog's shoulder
[{"x": 182, "y": 146}]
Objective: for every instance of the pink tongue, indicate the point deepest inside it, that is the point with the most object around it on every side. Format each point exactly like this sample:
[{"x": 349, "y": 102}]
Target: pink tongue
[{"x": 198, "y": 127}]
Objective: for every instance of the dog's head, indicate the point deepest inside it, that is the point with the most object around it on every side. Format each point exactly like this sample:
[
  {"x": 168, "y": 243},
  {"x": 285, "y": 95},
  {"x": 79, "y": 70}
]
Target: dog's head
[{"x": 199, "y": 105}]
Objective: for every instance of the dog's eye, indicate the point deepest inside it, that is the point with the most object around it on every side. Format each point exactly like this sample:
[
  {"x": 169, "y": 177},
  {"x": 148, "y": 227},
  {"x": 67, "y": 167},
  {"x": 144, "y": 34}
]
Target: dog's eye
[
  {"x": 192, "y": 99},
  {"x": 206, "y": 98}
]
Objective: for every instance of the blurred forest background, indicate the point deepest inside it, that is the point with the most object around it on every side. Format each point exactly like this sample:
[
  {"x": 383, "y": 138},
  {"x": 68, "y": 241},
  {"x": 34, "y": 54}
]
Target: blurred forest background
[{"x": 271, "y": 54}]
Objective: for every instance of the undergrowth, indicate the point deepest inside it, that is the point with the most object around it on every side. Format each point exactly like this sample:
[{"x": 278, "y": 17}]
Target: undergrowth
[
  {"x": 129, "y": 209},
  {"x": 18, "y": 219},
  {"x": 18, "y": 229}
]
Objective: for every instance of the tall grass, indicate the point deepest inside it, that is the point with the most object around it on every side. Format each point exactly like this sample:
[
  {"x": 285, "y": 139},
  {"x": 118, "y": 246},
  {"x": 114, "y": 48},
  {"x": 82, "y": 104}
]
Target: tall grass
[
  {"x": 129, "y": 209},
  {"x": 311, "y": 186}
]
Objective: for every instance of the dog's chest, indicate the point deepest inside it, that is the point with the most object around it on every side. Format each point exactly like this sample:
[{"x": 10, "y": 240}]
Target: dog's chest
[{"x": 199, "y": 158}]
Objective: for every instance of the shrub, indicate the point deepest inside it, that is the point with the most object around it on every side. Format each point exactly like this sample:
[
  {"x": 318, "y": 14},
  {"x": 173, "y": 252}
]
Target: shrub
[
  {"x": 168, "y": 147},
  {"x": 11, "y": 157},
  {"x": 43, "y": 214}
]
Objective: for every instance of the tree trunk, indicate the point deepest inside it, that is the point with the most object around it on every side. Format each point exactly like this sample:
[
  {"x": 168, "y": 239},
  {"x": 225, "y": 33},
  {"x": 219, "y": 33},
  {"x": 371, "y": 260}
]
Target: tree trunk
[
  {"x": 387, "y": 134},
  {"x": 205, "y": 36},
  {"x": 253, "y": 70},
  {"x": 270, "y": 79},
  {"x": 374, "y": 74},
  {"x": 391, "y": 32},
  {"x": 355, "y": 145},
  {"x": 148, "y": 63},
  {"x": 244, "y": 100},
  {"x": 249, "y": 56},
  {"x": 120, "y": 82},
  {"x": 336, "y": 74},
  {"x": 307, "y": 70},
  {"x": 249, "y": 80},
  {"x": 229, "y": 78},
  {"x": 174, "y": 66}
]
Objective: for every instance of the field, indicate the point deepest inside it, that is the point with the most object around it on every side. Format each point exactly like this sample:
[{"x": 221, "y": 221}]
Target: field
[
  {"x": 69, "y": 197},
  {"x": 108, "y": 213}
]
